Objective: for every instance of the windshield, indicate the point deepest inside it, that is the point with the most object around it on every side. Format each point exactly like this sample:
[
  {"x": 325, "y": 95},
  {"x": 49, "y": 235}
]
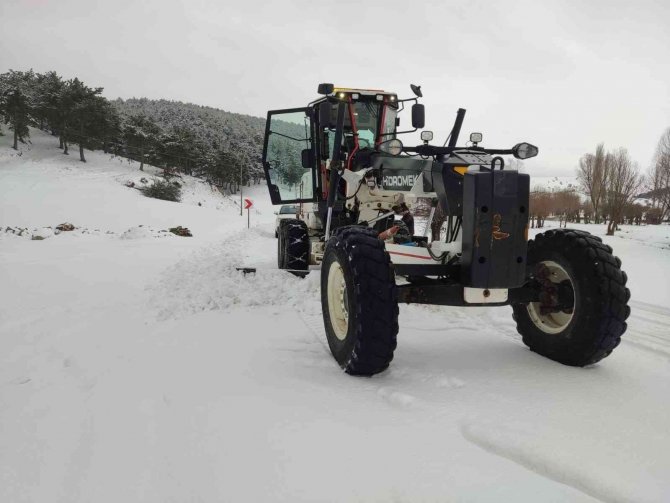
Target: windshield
[
  {"x": 287, "y": 210},
  {"x": 367, "y": 116},
  {"x": 388, "y": 128}
]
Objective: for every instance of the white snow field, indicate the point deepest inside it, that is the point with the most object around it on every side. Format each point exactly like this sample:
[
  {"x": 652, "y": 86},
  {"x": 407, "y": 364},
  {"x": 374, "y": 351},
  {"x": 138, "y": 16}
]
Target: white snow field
[{"x": 136, "y": 365}]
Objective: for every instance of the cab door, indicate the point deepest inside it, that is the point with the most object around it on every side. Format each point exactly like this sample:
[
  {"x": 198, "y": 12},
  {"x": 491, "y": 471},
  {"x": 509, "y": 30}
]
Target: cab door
[{"x": 289, "y": 158}]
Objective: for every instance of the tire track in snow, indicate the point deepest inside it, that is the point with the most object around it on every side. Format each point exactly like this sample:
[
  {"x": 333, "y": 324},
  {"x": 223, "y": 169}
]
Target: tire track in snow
[
  {"x": 649, "y": 329},
  {"x": 391, "y": 394},
  {"x": 521, "y": 447}
]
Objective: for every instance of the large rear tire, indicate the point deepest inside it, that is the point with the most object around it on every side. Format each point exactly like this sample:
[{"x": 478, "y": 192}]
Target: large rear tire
[
  {"x": 293, "y": 245},
  {"x": 583, "y": 305},
  {"x": 359, "y": 301}
]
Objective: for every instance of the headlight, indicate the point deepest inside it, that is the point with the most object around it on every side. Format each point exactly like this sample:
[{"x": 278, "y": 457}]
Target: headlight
[
  {"x": 393, "y": 147},
  {"x": 426, "y": 135},
  {"x": 524, "y": 150}
]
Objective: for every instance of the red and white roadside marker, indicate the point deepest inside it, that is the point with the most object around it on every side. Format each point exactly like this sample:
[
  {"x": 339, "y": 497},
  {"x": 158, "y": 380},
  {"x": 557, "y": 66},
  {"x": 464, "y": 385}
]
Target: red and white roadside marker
[{"x": 248, "y": 203}]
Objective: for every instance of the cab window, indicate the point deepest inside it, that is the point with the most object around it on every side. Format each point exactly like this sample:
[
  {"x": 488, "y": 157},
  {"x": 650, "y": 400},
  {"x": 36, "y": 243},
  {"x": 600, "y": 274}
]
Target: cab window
[{"x": 288, "y": 134}]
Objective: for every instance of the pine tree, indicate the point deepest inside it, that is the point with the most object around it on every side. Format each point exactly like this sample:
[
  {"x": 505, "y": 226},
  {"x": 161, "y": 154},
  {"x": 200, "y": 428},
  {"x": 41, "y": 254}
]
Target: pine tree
[
  {"x": 48, "y": 87},
  {"x": 16, "y": 102},
  {"x": 87, "y": 109},
  {"x": 141, "y": 137}
]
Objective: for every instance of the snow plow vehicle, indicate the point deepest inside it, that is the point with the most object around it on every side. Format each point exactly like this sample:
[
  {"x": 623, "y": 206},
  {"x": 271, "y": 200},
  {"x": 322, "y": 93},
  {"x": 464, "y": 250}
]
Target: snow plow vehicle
[{"x": 341, "y": 160}]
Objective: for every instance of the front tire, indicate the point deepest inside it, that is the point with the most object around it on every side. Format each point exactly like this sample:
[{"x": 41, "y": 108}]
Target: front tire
[
  {"x": 583, "y": 305},
  {"x": 359, "y": 301}
]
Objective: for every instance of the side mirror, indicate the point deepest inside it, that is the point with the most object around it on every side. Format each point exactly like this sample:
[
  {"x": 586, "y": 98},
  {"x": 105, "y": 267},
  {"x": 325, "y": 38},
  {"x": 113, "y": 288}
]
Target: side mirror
[
  {"x": 326, "y": 89},
  {"x": 307, "y": 158},
  {"x": 418, "y": 116},
  {"x": 325, "y": 109},
  {"x": 524, "y": 150}
]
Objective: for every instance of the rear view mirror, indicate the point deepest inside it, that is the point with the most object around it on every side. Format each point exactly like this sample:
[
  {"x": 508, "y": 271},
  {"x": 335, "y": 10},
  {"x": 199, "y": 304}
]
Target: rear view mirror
[
  {"x": 418, "y": 116},
  {"x": 524, "y": 150},
  {"x": 307, "y": 158}
]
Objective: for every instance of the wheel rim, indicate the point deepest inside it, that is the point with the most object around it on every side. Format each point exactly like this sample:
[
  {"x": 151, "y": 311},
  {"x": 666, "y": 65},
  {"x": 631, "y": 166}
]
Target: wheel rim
[
  {"x": 338, "y": 302},
  {"x": 551, "y": 275}
]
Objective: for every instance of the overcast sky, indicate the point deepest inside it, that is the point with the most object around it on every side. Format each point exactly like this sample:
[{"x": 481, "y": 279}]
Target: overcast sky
[{"x": 562, "y": 75}]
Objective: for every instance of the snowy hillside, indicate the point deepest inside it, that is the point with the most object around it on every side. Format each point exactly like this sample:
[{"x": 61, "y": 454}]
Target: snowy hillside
[
  {"x": 95, "y": 196},
  {"x": 137, "y": 367}
]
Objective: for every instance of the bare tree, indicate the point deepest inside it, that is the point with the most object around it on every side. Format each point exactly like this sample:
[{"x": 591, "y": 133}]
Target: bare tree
[
  {"x": 566, "y": 205},
  {"x": 592, "y": 175},
  {"x": 539, "y": 207},
  {"x": 587, "y": 210},
  {"x": 623, "y": 182},
  {"x": 633, "y": 212},
  {"x": 658, "y": 180}
]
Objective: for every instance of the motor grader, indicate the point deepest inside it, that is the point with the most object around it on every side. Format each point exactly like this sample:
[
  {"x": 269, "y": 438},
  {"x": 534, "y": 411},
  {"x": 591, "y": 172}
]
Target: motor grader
[{"x": 341, "y": 160}]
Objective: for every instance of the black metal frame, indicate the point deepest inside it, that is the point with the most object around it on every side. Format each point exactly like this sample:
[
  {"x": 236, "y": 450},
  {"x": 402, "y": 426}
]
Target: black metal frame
[
  {"x": 447, "y": 293},
  {"x": 274, "y": 191}
]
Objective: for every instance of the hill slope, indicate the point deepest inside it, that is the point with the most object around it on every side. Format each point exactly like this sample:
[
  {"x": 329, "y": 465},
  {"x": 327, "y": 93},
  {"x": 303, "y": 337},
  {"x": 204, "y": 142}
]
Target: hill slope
[{"x": 205, "y": 130}]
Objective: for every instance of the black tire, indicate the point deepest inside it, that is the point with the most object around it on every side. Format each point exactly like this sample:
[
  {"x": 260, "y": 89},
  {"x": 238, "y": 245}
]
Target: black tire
[
  {"x": 368, "y": 334},
  {"x": 280, "y": 248},
  {"x": 293, "y": 245},
  {"x": 599, "y": 298}
]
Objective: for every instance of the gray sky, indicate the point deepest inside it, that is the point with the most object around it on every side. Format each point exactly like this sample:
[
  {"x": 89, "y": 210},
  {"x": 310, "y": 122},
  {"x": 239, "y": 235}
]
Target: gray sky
[{"x": 563, "y": 75}]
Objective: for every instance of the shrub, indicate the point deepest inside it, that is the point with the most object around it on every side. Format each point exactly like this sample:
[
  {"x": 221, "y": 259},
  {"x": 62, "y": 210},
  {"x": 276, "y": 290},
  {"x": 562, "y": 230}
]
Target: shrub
[{"x": 162, "y": 189}]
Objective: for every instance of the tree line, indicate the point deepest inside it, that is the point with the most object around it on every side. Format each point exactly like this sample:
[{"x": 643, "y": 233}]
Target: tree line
[
  {"x": 568, "y": 205},
  {"x": 612, "y": 181},
  {"x": 222, "y": 147},
  {"x": 613, "y": 185}
]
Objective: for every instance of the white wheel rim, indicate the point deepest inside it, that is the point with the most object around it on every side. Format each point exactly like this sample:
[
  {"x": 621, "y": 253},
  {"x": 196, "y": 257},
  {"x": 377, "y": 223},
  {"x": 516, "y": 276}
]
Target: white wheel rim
[
  {"x": 552, "y": 323},
  {"x": 338, "y": 302}
]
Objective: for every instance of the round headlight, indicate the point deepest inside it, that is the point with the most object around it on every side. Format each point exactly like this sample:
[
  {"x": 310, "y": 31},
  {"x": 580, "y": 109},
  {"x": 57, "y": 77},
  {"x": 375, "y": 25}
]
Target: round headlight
[{"x": 393, "y": 147}]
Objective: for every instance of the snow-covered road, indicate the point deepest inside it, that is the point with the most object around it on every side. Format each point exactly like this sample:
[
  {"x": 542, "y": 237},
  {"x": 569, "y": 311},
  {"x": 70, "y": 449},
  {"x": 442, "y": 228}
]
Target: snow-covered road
[{"x": 149, "y": 369}]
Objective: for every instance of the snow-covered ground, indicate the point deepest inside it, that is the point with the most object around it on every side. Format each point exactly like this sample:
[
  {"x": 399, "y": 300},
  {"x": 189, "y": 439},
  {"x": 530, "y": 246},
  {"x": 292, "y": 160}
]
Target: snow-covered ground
[{"x": 140, "y": 366}]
